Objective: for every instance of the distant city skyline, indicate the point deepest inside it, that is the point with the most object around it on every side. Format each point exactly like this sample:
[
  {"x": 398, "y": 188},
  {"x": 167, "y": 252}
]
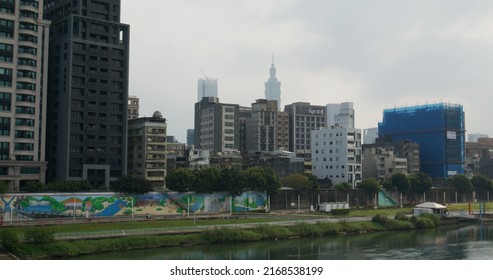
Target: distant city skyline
[{"x": 378, "y": 55}]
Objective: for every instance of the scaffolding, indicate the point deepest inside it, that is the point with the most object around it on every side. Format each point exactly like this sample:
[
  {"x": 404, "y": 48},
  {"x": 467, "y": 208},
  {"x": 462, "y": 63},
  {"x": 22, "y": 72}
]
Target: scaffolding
[{"x": 437, "y": 128}]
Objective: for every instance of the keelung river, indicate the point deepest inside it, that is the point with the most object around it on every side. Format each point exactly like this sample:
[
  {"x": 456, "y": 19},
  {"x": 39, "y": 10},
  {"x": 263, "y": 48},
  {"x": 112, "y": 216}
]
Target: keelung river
[{"x": 467, "y": 242}]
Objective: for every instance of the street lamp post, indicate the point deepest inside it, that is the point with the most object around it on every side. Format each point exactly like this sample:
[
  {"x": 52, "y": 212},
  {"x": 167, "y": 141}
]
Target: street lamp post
[
  {"x": 132, "y": 203},
  {"x": 74, "y": 209}
]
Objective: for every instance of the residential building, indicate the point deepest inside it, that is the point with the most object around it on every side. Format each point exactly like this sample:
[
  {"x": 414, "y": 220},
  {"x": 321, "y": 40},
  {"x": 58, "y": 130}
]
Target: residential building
[
  {"x": 206, "y": 88},
  {"x": 216, "y": 125},
  {"x": 473, "y": 137},
  {"x": 336, "y": 154},
  {"x": 88, "y": 91},
  {"x": 439, "y": 130},
  {"x": 133, "y": 107},
  {"x": 147, "y": 149},
  {"x": 198, "y": 159},
  {"x": 384, "y": 159},
  {"x": 264, "y": 126},
  {"x": 226, "y": 159},
  {"x": 340, "y": 115},
  {"x": 245, "y": 119},
  {"x": 303, "y": 118},
  {"x": 273, "y": 86},
  {"x": 336, "y": 149},
  {"x": 23, "y": 92},
  {"x": 283, "y": 163},
  {"x": 479, "y": 157},
  {"x": 370, "y": 135}
]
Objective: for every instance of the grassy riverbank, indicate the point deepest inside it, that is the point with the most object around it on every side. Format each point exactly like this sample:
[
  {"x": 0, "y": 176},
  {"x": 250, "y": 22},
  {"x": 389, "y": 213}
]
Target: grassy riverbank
[{"x": 50, "y": 249}]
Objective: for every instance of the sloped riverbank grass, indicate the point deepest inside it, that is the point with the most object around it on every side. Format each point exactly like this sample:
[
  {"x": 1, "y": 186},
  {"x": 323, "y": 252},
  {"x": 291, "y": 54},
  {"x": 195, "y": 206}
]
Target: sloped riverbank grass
[{"x": 46, "y": 248}]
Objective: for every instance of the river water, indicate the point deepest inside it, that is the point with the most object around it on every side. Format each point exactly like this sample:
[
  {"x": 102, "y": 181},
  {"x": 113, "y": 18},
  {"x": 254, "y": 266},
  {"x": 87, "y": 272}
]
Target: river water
[{"x": 470, "y": 242}]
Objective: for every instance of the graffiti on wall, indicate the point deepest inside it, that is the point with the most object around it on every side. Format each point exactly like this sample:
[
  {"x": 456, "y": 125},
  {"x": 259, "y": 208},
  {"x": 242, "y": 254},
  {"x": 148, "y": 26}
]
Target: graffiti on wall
[{"x": 112, "y": 204}]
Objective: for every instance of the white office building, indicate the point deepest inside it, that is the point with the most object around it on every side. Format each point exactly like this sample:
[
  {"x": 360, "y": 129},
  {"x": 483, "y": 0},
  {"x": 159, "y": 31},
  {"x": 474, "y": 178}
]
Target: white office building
[{"x": 336, "y": 149}]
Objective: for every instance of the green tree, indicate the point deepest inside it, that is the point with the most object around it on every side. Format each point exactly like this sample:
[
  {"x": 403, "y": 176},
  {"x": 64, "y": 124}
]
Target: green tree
[
  {"x": 399, "y": 182},
  {"x": 180, "y": 180},
  {"x": 315, "y": 184},
  {"x": 370, "y": 185},
  {"x": 34, "y": 186},
  {"x": 420, "y": 182},
  {"x": 4, "y": 187},
  {"x": 296, "y": 181},
  {"x": 231, "y": 181},
  {"x": 460, "y": 182},
  {"x": 259, "y": 178},
  {"x": 481, "y": 182},
  {"x": 342, "y": 186},
  {"x": 131, "y": 184},
  {"x": 206, "y": 180}
]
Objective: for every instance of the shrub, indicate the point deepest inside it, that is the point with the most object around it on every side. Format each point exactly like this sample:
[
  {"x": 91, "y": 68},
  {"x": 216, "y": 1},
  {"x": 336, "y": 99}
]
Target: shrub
[
  {"x": 435, "y": 218},
  {"x": 425, "y": 221},
  {"x": 227, "y": 235},
  {"x": 269, "y": 232},
  {"x": 401, "y": 216},
  {"x": 38, "y": 236},
  {"x": 340, "y": 211},
  {"x": 381, "y": 220},
  {"x": 10, "y": 241}
]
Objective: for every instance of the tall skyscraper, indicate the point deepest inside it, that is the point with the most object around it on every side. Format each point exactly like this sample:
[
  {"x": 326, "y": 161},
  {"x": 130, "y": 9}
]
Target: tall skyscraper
[
  {"x": 23, "y": 68},
  {"x": 88, "y": 91},
  {"x": 439, "y": 129},
  {"x": 206, "y": 88},
  {"x": 273, "y": 86}
]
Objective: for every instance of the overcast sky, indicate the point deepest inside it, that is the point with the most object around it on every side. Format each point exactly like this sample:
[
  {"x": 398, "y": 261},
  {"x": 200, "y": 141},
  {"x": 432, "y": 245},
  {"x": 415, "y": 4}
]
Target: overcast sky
[{"x": 376, "y": 54}]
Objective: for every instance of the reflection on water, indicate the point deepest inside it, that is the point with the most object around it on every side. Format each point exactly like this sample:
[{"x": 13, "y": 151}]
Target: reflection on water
[{"x": 471, "y": 242}]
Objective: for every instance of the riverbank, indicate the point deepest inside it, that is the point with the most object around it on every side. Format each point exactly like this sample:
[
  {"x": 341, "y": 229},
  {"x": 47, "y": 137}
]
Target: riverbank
[{"x": 59, "y": 249}]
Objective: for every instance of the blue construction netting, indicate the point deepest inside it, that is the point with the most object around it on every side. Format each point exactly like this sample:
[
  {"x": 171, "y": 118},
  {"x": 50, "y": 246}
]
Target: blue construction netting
[{"x": 437, "y": 128}]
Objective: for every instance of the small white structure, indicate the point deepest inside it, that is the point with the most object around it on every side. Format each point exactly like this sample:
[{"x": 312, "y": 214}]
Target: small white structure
[
  {"x": 328, "y": 206},
  {"x": 429, "y": 208}
]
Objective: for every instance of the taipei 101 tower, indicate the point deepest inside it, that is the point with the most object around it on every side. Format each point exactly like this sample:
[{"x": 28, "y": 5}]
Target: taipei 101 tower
[{"x": 273, "y": 86}]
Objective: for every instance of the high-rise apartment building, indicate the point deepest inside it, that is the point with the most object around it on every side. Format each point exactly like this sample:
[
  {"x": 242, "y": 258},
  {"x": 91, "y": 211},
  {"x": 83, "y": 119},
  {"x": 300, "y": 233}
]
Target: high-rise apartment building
[
  {"x": 273, "y": 86},
  {"x": 147, "y": 149},
  {"x": 206, "y": 88},
  {"x": 216, "y": 125},
  {"x": 439, "y": 129},
  {"x": 23, "y": 74},
  {"x": 303, "y": 118},
  {"x": 336, "y": 149},
  {"x": 88, "y": 91},
  {"x": 245, "y": 119},
  {"x": 268, "y": 128},
  {"x": 336, "y": 154},
  {"x": 133, "y": 107}
]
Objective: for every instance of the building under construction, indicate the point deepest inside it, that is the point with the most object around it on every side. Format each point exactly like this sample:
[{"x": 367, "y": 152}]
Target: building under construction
[{"x": 438, "y": 129}]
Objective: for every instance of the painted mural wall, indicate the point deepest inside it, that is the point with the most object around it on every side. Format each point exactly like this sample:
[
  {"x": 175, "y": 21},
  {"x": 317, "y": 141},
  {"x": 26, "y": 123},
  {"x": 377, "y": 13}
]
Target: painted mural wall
[{"x": 113, "y": 204}]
